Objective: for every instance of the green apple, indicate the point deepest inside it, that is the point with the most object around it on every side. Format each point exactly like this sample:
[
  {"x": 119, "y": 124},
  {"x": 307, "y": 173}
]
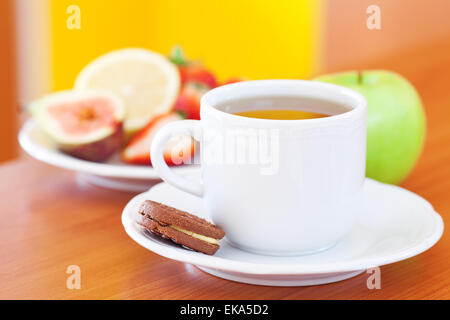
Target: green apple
[{"x": 395, "y": 121}]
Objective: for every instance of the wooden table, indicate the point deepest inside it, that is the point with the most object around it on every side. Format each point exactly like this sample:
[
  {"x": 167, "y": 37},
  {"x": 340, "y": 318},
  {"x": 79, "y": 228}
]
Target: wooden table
[{"x": 48, "y": 221}]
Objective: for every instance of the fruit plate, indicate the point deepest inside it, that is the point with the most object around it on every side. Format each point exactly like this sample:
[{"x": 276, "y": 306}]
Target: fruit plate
[{"x": 113, "y": 174}]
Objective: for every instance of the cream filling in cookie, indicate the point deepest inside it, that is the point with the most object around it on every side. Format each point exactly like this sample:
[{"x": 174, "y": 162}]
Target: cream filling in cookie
[{"x": 196, "y": 235}]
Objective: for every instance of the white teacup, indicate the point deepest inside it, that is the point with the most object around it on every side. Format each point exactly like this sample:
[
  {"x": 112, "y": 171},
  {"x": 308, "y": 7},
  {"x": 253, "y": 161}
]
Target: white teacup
[{"x": 277, "y": 187}]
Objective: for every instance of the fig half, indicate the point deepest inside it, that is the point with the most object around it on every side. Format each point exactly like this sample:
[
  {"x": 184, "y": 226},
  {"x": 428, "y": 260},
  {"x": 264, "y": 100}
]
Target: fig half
[{"x": 85, "y": 124}]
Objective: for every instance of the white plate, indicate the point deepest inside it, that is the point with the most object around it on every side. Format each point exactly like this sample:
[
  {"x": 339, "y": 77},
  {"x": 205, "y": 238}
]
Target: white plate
[
  {"x": 113, "y": 174},
  {"x": 394, "y": 224}
]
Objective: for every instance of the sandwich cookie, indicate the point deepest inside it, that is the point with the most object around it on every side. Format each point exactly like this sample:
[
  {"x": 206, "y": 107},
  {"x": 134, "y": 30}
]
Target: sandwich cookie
[{"x": 179, "y": 226}]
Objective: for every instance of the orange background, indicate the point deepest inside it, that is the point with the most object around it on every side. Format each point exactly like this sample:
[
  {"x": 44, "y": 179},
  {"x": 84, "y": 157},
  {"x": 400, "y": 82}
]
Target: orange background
[{"x": 405, "y": 24}]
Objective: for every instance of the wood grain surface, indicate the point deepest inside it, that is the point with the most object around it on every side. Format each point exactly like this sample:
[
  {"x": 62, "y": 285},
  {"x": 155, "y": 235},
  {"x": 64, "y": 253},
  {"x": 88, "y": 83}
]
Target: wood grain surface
[{"x": 49, "y": 220}]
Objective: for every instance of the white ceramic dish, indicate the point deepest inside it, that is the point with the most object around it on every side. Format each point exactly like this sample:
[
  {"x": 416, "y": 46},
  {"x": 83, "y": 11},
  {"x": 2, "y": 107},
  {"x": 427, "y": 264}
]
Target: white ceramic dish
[
  {"x": 394, "y": 224},
  {"x": 113, "y": 174}
]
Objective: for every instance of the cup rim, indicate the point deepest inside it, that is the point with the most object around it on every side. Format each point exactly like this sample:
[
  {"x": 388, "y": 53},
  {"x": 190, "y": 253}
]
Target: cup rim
[{"x": 208, "y": 107}]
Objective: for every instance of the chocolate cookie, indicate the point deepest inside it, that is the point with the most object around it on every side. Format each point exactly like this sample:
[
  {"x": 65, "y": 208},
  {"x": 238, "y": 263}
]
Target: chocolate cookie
[{"x": 181, "y": 227}]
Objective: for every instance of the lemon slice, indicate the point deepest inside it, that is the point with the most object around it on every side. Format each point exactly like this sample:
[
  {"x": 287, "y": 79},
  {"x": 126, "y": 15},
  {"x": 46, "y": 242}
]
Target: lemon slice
[{"x": 147, "y": 82}]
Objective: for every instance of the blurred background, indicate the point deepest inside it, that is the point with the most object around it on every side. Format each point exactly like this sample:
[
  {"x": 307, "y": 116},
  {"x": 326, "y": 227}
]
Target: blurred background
[{"x": 246, "y": 38}]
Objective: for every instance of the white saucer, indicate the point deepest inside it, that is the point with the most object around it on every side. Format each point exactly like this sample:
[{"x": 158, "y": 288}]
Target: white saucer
[
  {"x": 395, "y": 224},
  {"x": 113, "y": 174}
]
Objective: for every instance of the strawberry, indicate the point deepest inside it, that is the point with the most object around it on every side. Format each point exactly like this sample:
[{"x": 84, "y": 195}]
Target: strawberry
[
  {"x": 179, "y": 150},
  {"x": 189, "y": 99},
  {"x": 191, "y": 71}
]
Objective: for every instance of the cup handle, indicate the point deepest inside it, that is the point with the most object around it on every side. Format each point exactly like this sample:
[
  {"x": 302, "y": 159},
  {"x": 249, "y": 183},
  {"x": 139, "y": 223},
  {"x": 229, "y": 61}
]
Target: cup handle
[{"x": 190, "y": 127}]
